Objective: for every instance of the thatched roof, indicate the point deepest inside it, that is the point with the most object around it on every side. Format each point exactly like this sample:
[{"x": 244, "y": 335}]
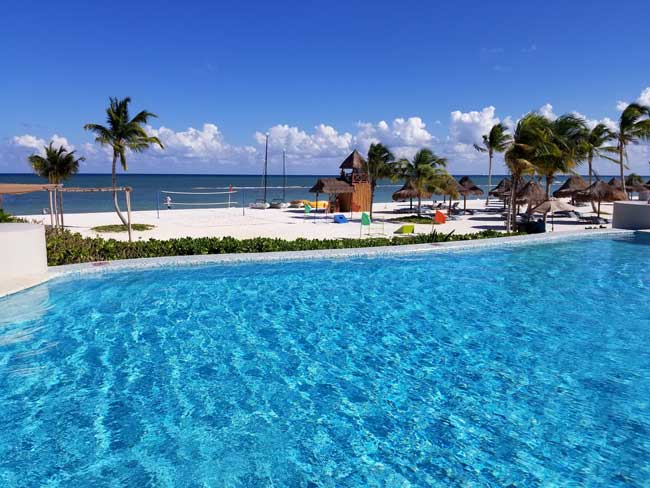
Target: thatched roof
[
  {"x": 572, "y": 184},
  {"x": 501, "y": 188},
  {"x": 532, "y": 192},
  {"x": 332, "y": 185},
  {"x": 409, "y": 191},
  {"x": 354, "y": 161},
  {"x": 630, "y": 185},
  {"x": 469, "y": 188},
  {"x": 600, "y": 191}
]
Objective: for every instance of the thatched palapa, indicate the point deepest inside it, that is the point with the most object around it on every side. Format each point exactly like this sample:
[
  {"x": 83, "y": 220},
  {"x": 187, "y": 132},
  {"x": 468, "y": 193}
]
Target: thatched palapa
[
  {"x": 502, "y": 188},
  {"x": 354, "y": 161},
  {"x": 409, "y": 191},
  {"x": 332, "y": 186},
  {"x": 600, "y": 192},
  {"x": 572, "y": 184}
]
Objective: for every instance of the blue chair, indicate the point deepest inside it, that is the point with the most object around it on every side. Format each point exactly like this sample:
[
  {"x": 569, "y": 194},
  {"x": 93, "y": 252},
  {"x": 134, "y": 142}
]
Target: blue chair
[{"x": 340, "y": 219}]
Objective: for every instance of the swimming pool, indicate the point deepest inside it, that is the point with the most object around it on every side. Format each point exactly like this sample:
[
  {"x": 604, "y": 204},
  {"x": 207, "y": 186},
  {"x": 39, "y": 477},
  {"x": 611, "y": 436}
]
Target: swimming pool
[{"x": 517, "y": 366}]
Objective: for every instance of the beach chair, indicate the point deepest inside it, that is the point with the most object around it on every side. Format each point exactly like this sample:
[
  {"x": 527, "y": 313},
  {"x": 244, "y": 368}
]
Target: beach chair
[
  {"x": 340, "y": 219},
  {"x": 365, "y": 222},
  {"x": 406, "y": 229},
  {"x": 307, "y": 208}
]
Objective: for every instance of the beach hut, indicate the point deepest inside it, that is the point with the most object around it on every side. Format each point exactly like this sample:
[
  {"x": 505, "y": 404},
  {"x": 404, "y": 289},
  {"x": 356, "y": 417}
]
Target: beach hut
[
  {"x": 353, "y": 171},
  {"x": 572, "y": 184},
  {"x": 600, "y": 192},
  {"x": 331, "y": 187},
  {"x": 468, "y": 187},
  {"x": 409, "y": 192}
]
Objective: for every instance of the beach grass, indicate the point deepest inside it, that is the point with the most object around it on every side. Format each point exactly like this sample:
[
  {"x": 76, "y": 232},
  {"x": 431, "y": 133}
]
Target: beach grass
[{"x": 122, "y": 227}]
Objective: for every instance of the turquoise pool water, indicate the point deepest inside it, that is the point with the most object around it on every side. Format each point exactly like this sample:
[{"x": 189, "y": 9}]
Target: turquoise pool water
[{"x": 523, "y": 366}]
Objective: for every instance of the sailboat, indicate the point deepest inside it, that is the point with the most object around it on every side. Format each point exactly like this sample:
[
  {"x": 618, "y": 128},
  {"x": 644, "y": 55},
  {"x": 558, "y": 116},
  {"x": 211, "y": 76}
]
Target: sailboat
[
  {"x": 282, "y": 202},
  {"x": 261, "y": 203}
]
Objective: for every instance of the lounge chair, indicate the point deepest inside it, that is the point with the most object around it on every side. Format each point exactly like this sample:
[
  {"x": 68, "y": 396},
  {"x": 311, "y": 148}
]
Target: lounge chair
[{"x": 406, "y": 229}]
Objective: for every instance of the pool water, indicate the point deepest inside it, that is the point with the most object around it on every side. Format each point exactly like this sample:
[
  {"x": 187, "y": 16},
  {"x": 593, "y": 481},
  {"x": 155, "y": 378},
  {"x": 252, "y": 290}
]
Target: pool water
[{"x": 522, "y": 366}]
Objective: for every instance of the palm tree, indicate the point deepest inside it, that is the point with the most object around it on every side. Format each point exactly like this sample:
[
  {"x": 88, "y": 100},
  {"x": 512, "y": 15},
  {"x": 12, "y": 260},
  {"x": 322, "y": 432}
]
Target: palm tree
[
  {"x": 496, "y": 141},
  {"x": 378, "y": 166},
  {"x": 421, "y": 171},
  {"x": 445, "y": 184},
  {"x": 123, "y": 133},
  {"x": 57, "y": 165},
  {"x": 520, "y": 154},
  {"x": 559, "y": 147},
  {"x": 633, "y": 127},
  {"x": 594, "y": 142}
]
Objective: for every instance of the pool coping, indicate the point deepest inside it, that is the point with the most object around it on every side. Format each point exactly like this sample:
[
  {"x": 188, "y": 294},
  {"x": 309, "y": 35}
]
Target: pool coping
[{"x": 238, "y": 258}]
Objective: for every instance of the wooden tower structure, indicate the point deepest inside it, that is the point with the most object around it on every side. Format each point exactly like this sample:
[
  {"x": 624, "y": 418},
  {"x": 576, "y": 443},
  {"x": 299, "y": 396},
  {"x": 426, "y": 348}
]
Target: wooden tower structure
[{"x": 353, "y": 171}]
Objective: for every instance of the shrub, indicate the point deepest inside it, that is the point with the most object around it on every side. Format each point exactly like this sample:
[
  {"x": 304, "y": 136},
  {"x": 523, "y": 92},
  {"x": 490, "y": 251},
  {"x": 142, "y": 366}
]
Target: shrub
[{"x": 65, "y": 247}]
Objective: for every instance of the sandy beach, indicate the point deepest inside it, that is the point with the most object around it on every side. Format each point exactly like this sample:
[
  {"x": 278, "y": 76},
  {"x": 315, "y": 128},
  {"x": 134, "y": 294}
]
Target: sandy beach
[{"x": 291, "y": 223}]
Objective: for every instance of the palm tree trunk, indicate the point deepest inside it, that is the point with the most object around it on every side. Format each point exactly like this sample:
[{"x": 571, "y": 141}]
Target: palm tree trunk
[
  {"x": 114, "y": 179},
  {"x": 487, "y": 193},
  {"x": 512, "y": 211},
  {"x": 549, "y": 182},
  {"x": 591, "y": 171},
  {"x": 621, "y": 150}
]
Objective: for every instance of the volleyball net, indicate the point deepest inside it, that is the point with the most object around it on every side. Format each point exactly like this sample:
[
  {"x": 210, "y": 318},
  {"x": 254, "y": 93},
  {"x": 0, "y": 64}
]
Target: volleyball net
[{"x": 167, "y": 199}]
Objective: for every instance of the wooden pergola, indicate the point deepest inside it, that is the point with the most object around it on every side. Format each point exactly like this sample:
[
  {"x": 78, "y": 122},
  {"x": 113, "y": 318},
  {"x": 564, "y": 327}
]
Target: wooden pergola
[{"x": 55, "y": 193}]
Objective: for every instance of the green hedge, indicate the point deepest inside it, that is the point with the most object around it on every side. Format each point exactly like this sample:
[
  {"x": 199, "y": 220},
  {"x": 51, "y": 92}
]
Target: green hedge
[{"x": 65, "y": 247}]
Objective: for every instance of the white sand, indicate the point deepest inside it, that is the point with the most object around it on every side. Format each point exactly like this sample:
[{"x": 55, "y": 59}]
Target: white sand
[{"x": 287, "y": 224}]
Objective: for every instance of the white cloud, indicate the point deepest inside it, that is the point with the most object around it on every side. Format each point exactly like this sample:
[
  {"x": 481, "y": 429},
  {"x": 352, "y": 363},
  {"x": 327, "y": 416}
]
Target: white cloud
[
  {"x": 36, "y": 144},
  {"x": 467, "y": 128},
  {"x": 643, "y": 99},
  {"x": 547, "y": 111},
  {"x": 324, "y": 142},
  {"x": 206, "y": 144}
]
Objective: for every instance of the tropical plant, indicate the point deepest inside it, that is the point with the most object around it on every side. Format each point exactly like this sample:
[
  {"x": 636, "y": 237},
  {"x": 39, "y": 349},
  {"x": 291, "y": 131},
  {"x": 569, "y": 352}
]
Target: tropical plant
[
  {"x": 594, "y": 141},
  {"x": 445, "y": 184},
  {"x": 496, "y": 141},
  {"x": 56, "y": 165},
  {"x": 123, "y": 133},
  {"x": 559, "y": 148},
  {"x": 379, "y": 165},
  {"x": 422, "y": 171},
  {"x": 519, "y": 155},
  {"x": 65, "y": 247},
  {"x": 633, "y": 127}
]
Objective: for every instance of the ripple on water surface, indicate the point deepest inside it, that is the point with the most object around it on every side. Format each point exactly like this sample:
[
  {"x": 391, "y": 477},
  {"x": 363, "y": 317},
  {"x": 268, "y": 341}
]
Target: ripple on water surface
[{"x": 523, "y": 366}]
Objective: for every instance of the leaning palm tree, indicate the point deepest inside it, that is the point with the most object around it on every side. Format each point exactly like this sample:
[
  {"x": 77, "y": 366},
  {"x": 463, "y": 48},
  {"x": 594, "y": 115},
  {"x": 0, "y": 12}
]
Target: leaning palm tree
[
  {"x": 560, "y": 146},
  {"x": 496, "y": 141},
  {"x": 123, "y": 133},
  {"x": 56, "y": 165},
  {"x": 519, "y": 156},
  {"x": 378, "y": 166},
  {"x": 420, "y": 171},
  {"x": 633, "y": 127}
]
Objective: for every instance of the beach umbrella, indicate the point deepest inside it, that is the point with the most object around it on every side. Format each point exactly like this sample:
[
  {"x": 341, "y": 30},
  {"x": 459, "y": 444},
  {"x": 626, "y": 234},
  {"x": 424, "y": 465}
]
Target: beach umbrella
[
  {"x": 552, "y": 205},
  {"x": 409, "y": 191},
  {"x": 600, "y": 192},
  {"x": 572, "y": 184},
  {"x": 467, "y": 187}
]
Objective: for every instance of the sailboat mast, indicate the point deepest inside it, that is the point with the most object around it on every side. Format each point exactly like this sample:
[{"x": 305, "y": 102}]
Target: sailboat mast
[
  {"x": 284, "y": 175},
  {"x": 266, "y": 163}
]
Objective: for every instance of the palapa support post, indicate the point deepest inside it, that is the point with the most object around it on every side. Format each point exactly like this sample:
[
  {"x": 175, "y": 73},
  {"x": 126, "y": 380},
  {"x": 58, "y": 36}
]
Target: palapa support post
[
  {"x": 127, "y": 194},
  {"x": 49, "y": 192},
  {"x": 61, "y": 208}
]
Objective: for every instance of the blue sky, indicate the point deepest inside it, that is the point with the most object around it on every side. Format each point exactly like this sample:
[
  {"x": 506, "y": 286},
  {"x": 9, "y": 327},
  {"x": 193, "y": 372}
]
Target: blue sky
[{"x": 321, "y": 77}]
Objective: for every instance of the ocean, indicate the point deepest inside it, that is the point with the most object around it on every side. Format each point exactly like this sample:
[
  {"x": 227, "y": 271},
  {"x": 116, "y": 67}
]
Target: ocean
[{"x": 146, "y": 188}]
